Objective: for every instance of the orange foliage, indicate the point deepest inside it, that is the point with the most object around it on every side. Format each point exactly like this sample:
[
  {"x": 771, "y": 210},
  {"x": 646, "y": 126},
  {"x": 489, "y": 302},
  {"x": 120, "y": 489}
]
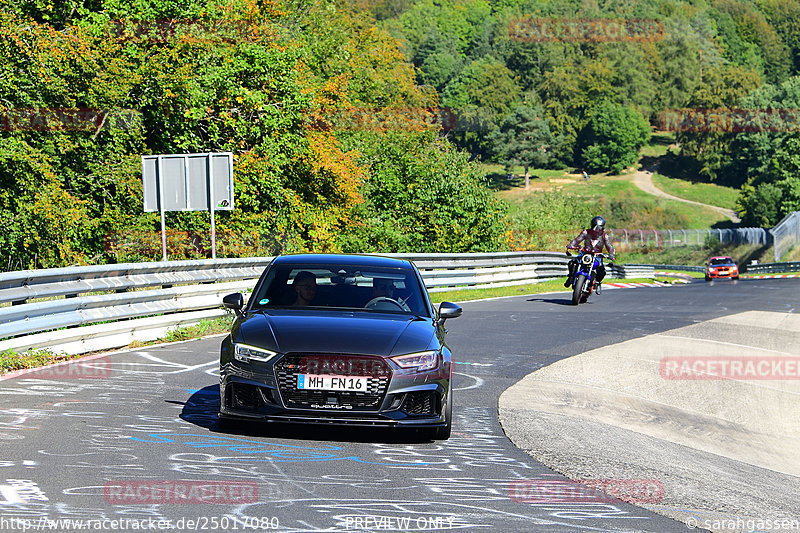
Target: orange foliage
[{"x": 338, "y": 168}]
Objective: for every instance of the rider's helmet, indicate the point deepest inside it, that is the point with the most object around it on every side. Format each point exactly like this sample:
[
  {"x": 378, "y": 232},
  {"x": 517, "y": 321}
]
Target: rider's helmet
[{"x": 598, "y": 224}]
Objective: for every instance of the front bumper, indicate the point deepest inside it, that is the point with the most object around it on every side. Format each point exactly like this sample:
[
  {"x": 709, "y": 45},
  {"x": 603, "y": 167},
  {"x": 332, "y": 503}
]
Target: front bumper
[
  {"x": 404, "y": 400},
  {"x": 723, "y": 274}
]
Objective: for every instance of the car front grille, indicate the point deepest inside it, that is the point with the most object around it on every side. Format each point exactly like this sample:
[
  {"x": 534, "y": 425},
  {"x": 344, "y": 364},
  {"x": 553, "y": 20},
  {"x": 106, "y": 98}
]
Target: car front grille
[
  {"x": 420, "y": 403},
  {"x": 375, "y": 368}
]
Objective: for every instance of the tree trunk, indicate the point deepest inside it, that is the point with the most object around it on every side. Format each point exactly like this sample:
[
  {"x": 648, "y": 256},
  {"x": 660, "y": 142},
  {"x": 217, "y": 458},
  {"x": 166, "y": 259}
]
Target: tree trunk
[{"x": 527, "y": 178}]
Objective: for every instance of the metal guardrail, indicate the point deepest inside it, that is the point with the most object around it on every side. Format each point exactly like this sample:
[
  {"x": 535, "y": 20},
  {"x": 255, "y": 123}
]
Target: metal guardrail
[
  {"x": 631, "y": 271},
  {"x": 82, "y": 309},
  {"x": 679, "y": 268},
  {"x": 773, "y": 268}
]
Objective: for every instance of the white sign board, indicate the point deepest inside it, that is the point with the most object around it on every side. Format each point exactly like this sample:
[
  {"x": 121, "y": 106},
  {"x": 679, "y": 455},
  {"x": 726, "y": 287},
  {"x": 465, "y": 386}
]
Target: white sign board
[
  {"x": 185, "y": 181},
  {"x": 188, "y": 182}
]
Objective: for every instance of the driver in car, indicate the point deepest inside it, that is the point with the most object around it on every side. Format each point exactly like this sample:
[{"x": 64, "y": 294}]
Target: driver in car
[{"x": 382, "y": 289}]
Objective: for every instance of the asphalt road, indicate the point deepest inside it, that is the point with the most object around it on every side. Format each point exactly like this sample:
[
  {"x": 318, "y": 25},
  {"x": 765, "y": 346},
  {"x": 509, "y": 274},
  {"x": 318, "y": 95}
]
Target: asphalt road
[{"x": 95, "y": 449}]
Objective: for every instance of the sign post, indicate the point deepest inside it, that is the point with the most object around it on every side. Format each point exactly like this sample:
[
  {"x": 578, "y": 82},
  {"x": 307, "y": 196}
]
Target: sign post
[{"x": 188, "y": 182}]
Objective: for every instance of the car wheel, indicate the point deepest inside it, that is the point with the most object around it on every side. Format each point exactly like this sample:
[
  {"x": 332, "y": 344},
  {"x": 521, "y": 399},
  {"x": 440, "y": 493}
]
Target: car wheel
[{"x": 443, "y": 433}]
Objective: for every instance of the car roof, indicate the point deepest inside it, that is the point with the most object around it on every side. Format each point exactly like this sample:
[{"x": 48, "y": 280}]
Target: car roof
[
  {"x": 360, "y": 260},
  {"x": 721, "y": 257}
]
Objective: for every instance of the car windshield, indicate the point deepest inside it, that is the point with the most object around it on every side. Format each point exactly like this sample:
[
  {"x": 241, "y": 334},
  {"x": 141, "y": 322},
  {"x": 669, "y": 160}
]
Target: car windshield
[
  {"x": 365, "y": 288},
  {"x": 722, "y": 261}
]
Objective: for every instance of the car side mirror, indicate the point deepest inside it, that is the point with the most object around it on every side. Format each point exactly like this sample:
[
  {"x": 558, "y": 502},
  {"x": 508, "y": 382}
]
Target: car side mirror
[
  {"x": 234, "y": 301},
  {"x": 449, "y": 310}
]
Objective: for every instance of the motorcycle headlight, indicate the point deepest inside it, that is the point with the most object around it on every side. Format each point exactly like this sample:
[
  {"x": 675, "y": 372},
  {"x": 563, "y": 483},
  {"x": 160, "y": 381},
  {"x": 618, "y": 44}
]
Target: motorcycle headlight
[
  {"x": 418, "y": 361},
  {"x": 247, "y": 353},
  {"x": 587, "y": 259}
]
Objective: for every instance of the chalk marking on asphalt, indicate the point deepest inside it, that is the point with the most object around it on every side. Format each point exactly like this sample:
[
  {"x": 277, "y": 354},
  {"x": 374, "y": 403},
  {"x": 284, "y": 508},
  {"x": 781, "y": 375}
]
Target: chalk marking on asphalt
[
  {"x": 10, "y": 495},
  {"x": 170, "y": 364},
  {"x": 478, "y": 382}
]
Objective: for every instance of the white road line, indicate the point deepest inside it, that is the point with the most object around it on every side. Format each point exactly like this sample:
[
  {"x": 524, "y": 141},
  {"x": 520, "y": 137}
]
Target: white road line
[{"x": 478, "y": 382}]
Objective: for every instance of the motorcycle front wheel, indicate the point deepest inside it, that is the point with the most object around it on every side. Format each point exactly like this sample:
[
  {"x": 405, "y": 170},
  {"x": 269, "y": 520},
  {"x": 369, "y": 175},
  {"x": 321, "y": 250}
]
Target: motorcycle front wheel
[{"x": 577, "y": 288}]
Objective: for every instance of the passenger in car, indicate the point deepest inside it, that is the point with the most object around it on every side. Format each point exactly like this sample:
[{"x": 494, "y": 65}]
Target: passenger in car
[{"x": 305, "y": 285}]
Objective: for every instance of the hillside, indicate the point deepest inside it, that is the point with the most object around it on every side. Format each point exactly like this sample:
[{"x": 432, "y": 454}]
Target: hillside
[{"x": 362, "y": 127}]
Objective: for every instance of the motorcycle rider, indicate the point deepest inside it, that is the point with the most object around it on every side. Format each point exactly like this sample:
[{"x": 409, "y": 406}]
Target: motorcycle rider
[{"x": 594, "y": 240}]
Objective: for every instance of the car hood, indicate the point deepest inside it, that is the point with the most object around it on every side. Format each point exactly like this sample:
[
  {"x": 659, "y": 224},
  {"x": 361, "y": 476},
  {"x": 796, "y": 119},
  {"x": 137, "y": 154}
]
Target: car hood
[{"x": 361, "y": 333}]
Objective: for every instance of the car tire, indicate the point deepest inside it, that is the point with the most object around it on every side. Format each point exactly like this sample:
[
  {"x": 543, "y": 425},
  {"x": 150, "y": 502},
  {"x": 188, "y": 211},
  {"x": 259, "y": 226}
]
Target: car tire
[{"x": 443, "y": 433}]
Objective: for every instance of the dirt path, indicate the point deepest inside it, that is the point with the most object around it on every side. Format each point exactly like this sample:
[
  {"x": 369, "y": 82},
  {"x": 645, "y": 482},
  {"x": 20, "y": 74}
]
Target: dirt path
[{"x": 644, "y": 180}]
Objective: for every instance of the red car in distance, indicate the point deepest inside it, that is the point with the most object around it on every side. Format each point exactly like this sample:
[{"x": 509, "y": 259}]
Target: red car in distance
[{"x": 721, "y": 267}]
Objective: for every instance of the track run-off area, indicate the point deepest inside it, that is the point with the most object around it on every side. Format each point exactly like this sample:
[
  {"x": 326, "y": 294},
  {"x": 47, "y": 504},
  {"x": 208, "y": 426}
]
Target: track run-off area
[{"x": 100, "y": 447}]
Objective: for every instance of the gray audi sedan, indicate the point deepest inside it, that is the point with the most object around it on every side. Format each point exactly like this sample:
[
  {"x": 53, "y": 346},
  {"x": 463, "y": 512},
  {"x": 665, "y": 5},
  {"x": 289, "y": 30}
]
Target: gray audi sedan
[{"x": 339, "y": 339}]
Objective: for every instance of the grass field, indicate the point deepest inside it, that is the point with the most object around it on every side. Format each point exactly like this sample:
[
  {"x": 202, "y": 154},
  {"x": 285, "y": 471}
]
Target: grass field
[
  {"x": 792, "y": 255},
  {"x": 706, "y": 193},
  {"x": 660, "y": 143},
  {"x": 637, "y": 209}
]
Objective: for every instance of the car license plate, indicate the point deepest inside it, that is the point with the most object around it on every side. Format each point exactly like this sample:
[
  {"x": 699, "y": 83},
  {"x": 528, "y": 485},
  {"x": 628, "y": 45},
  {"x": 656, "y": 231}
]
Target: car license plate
[{"x": 342, "y": 383}]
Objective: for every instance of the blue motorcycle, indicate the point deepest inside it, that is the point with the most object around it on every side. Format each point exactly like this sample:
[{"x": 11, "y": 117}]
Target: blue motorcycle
[{"x": 583, "y": 284}]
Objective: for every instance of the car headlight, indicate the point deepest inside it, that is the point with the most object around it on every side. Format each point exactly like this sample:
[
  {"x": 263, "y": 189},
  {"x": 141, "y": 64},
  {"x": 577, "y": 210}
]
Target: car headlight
[
  {"x": 247, "y": 353},
  {"x": 418, "y": 361}
]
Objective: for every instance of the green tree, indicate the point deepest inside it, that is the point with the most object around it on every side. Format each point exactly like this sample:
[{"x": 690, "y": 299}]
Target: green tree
[
  {"x": 524, "y": 139},
  {"x": 784, "y": 16},
  {"x": 752, "y": 28},
  {"x": 766, "y": 199},
  {"x": 568, "y": 93},
  {"x": 612, "y": 138},
  {"x": 426, "y": 197},
  {"x": 722, "y": 88},
  {"x": 759, "y": 205},
  {"x": 265, "y": 80},
  {"x": 481, "y": 96}
]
